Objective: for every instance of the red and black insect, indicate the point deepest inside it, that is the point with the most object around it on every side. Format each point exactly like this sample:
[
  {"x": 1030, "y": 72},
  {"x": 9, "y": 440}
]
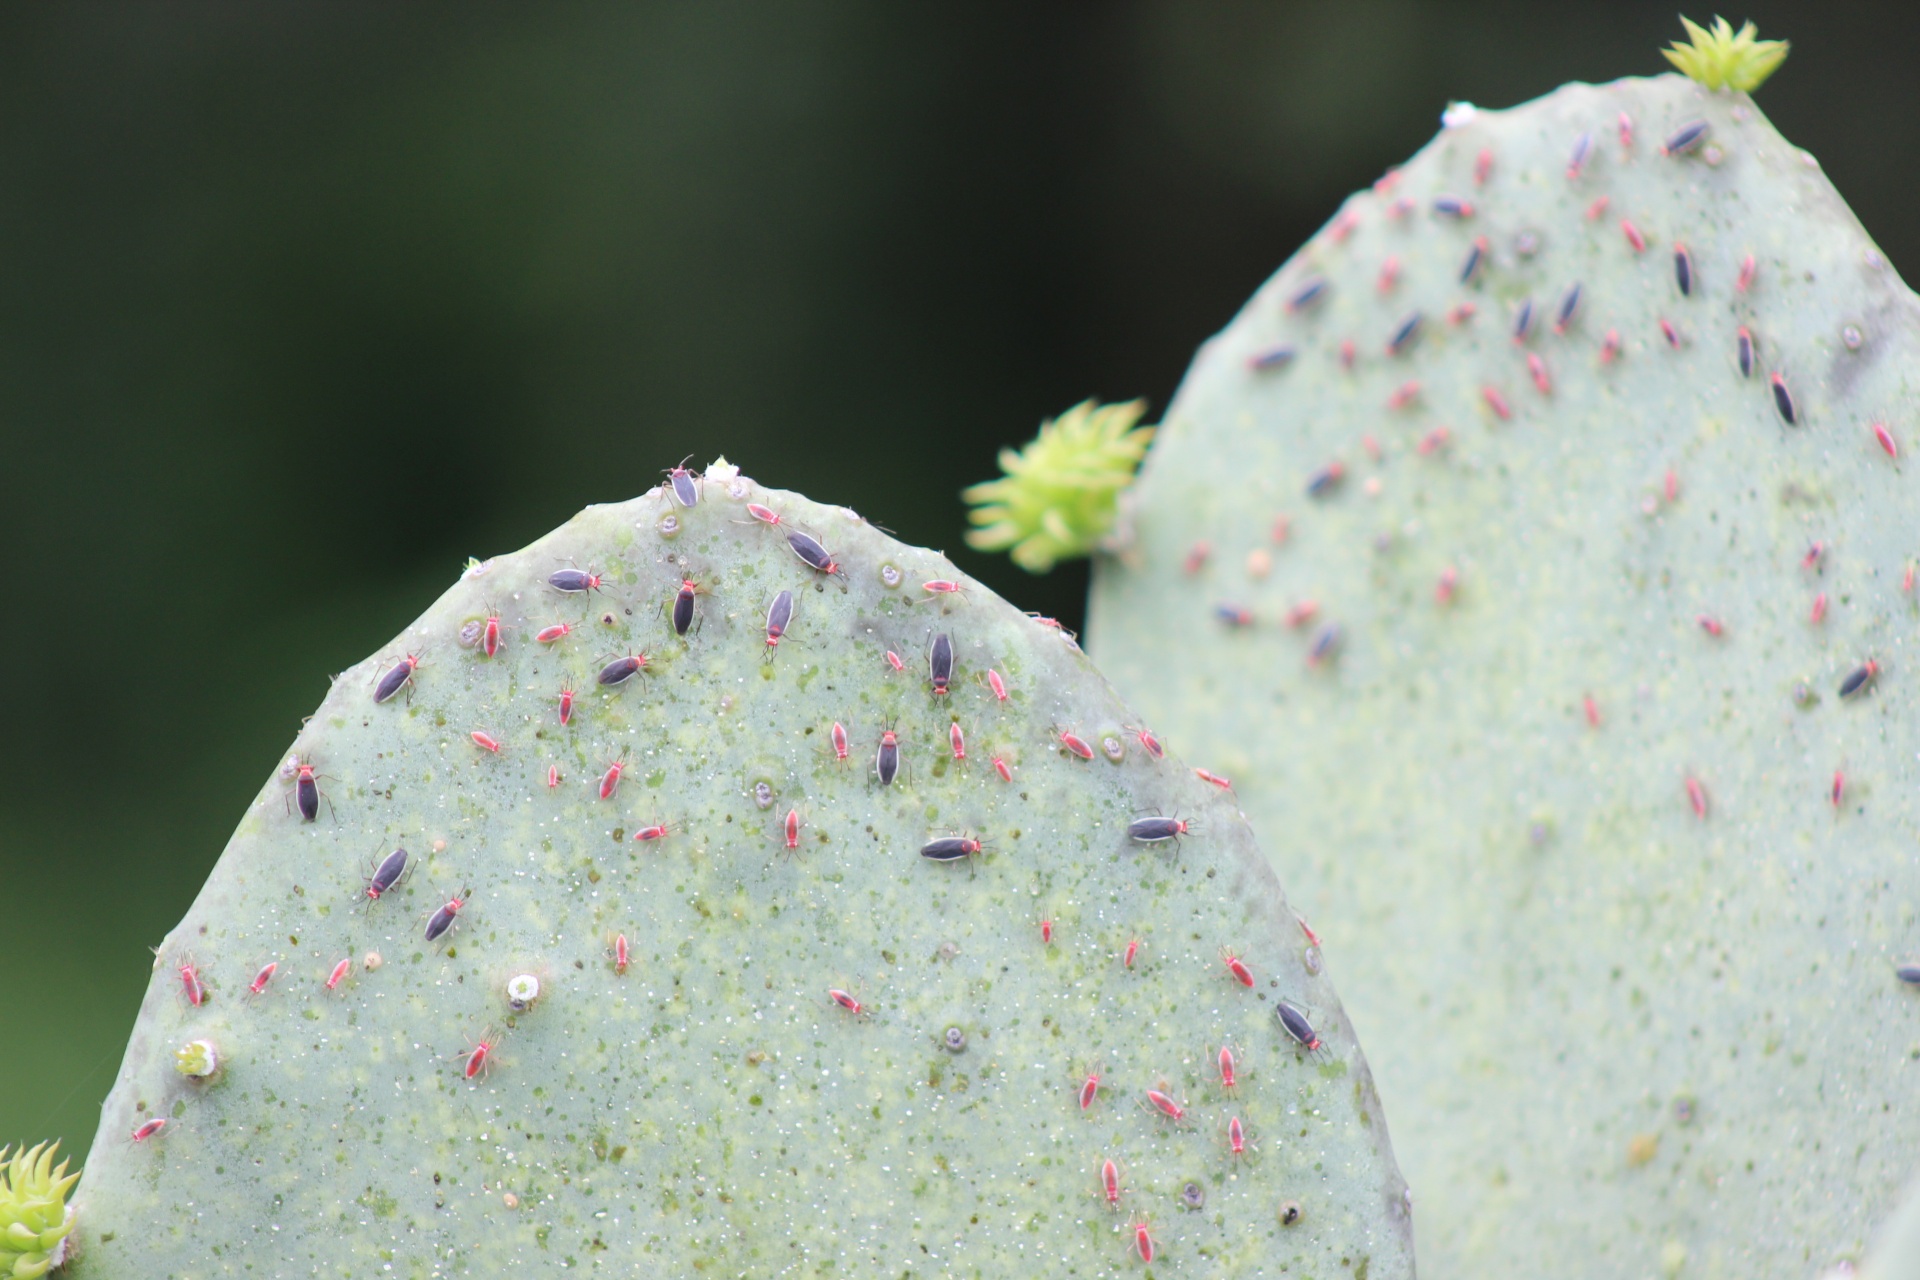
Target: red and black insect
[
  {"x": 943, "y": 587},
  {"x": 558, "y": 631},
  {"x": 1523, "y": 321},
  {"x": 838, "y": 736},
  {"x": 1110, "y": 1183},
  {"x": 1743, "y": 348},
  {"x": 1213, "y": 779},
  {"x": 1576, "y": 162},
  {"x": 621, "y": 670},
  {"x": 306, "y": 791},
  {"x": 400, "y": 677},
  {"x": 997, "y": 684},
  {"x": 1860, "y": 679},
  {"x": 1229, "y": 1069},
  {"x": 1568, "y": 308},
  {"x": 443, "y": 917},
  {"x": 886, "y": 757},
  {"x": 1783, "y": 399},
  {"x": 341, "y": 969},
  {"x": 815, "y": 556},
  {"x": 1237, "y": 967},
  {"x": 790, "y": 830},
  {"x": 654, "y": 831},
  {"x": 1697, "y": 797},
  {"x": 479, "y": 1056},
  {"x": 1277, "y": 356},
  {"x": 1148, "y": 743},
  {"x": 190, "y": 985},
  {"x": 566, "y": 705},
  {"x": 1326, "y": 479},
  {"x": 1307, "y": 294},
  {"x": 847, "y": 1001},
  {"x": 486, "y": 741},
  {"x": 1075, "y": 744},
  {"x": 1683, "y": 268},
  {"x": 1293, "y": 1020},
  {"x": 1747, "y": 267},
  {"x": 490, "y": 634},
  {"x": 765, "y": 515},
  {"x": 1403, "y": 334},
  {"x": 1089, "y": 1088},
  {"x": 951, "y": 849},
  {"x": 957, "y": 740},
  {"x": 573, "y": 581},
  {"x": 1684, "y": 139},
  {"x": 617, "y": 950},
  {"x": 1452, "y": 207},
  {"x": 683, "y": 605},
  {"x": 940, "y": 664},
  {"x": 1476, "y": 257},
  {"x": 1166, "y": 1104},
  {"x": 1632, "y": 233},
  {"x": 610, "y": 780},
  {"x": 1157, "y": 830},
  {"x": 149, "y": 1128},
  {"x": 779, "y": 617},
  {"x": 386, "y": 875},
  {"x": 262, "y": 978},
  {"x": 1326, "y": 643},
  {"x": 681, "y": 483}
]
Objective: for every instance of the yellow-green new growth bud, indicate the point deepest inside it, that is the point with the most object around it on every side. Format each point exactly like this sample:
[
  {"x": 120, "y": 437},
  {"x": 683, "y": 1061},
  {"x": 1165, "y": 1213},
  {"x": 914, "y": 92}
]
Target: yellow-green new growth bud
[
  {"x": 196, "y": 1059},
  {"x": 1724, "y": 59},
  {"x": 1061, "y": 493},
  {"x": 34, "y": 1217}
]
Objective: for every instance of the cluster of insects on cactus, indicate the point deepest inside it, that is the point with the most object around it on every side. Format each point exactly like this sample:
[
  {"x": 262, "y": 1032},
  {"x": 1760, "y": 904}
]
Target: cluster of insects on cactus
[{"x": 978, "y": 710}]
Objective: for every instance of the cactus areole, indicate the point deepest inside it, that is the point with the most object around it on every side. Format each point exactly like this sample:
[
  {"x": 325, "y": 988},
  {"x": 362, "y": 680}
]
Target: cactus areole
[
  {"x": 1606, "y": 802},
  {"x": 776, "y": 1036}
]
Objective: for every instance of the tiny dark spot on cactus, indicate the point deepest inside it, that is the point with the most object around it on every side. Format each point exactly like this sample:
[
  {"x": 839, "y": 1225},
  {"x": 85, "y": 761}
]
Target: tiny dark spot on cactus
[
  {"x": 293, "y": 939},
  {"x": 1526, "y": 244},
  {"x": 1683, "y": 1109},
  {"x": 607, "y": 619},
  {"x": 1804, "y": 697},
  {"x": 1113, "y": 748},
  {"x": 593, "y": 875},
  {"x": 1193, "y": 1196},
  {"x": 763, "y": 795},
  {"x": 890, "y": 575},
  {"x": 1852, "y": 337},
  {"x": 470, "y": 632},
  {"x": 1290, "y": 1212},
  {"x": 955, "y": 1040},
  {"x": 753, "y": 1099}
]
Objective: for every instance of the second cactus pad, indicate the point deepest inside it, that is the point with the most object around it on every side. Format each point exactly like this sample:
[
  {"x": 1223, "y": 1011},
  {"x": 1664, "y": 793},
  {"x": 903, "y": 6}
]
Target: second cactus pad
[
  {"x": 1536, "y": 551},
  {"x": 767, "y": 909}
]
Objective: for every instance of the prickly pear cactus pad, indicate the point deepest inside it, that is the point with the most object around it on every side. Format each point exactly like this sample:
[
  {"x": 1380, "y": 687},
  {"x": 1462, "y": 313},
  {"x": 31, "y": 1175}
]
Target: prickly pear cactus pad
[
  {"x": 711, "y": 998},
  {"x": 1536, "y": 551}
]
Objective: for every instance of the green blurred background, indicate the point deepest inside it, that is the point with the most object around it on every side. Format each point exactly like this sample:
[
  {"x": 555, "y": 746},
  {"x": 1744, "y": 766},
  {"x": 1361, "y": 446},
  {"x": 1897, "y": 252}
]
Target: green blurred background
[{"x": 302, "y": 304}]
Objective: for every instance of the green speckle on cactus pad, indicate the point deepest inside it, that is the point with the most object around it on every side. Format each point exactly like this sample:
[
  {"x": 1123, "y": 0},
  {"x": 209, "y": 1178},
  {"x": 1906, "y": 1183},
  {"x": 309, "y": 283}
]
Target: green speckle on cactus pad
[
  {"x": 626, "y": 1052},
  {"x": 34, "y": 1217},
  {"x": 1721, "y": 58},
  {"x": 1060, "y": 496},
  {"x": 1612, "y": 872}
]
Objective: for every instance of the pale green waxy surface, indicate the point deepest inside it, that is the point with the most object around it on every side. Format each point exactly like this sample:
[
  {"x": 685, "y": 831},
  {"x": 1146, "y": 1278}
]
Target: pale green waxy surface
[
  {"x": 1896, "y": 1247},
  {"x": 710, "y": 1111},
  {"x": 1612, "y": 1039}
]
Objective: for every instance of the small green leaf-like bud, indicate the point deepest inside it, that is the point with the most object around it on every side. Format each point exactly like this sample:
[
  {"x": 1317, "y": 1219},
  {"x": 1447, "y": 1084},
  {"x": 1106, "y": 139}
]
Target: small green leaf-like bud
[
  {"x": 34, "y": 1217},
  {"x": 1723, "y": 59},
  {"x": 1061, "y": 493}
]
